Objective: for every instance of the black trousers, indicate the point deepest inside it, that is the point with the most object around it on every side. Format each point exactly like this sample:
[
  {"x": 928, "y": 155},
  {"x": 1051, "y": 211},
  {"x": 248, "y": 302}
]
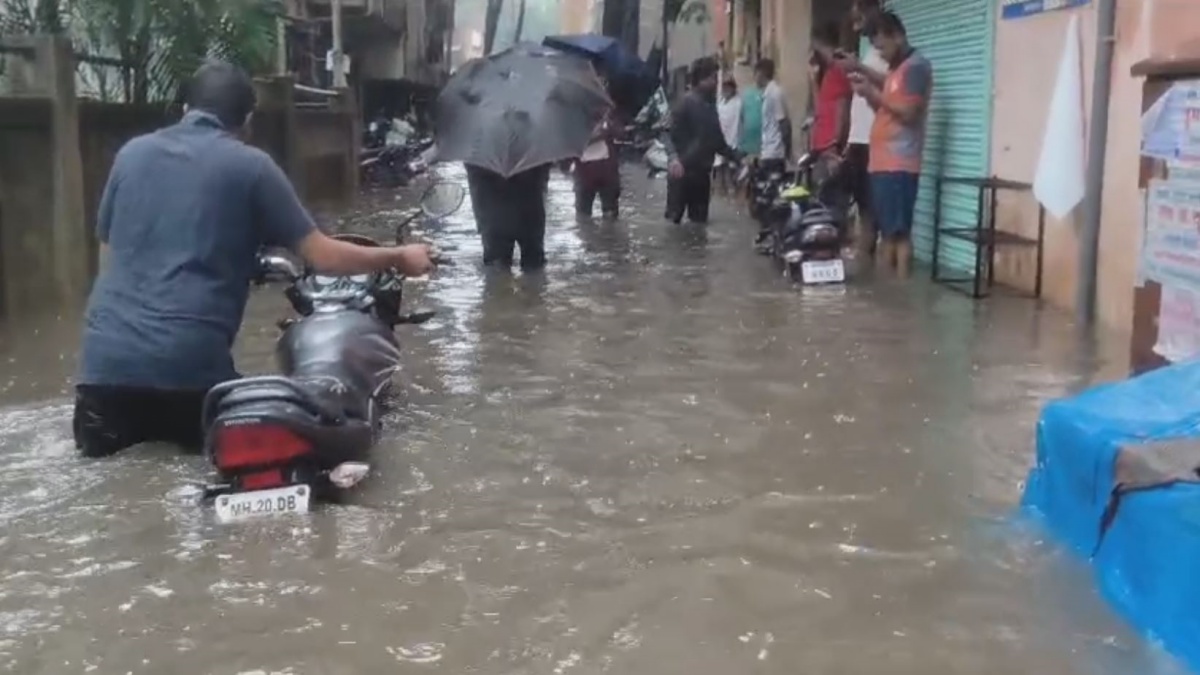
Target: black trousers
[
  {"x": 586, "y": 193},
  {"x": 109, "y": 419},
  {"x": 510, "y": 213},
  {"x": 690, "y": 194}
]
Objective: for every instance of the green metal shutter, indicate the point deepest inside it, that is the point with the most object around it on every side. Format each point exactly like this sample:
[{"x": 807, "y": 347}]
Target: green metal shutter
[{"x": 957, "y": 37}]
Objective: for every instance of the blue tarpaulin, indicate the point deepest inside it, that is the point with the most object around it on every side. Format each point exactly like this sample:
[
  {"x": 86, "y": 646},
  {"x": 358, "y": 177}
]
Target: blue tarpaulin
[{"x": 1147, "y": 559}]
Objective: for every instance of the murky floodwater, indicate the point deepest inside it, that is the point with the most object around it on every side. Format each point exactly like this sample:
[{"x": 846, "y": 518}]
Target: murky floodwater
[{"x": 655, "y": 458}]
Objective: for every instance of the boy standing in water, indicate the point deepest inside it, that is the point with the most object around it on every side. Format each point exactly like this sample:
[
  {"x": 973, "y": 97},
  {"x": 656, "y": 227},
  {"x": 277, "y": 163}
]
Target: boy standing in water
[
  {"x": 597, "y": 173},
  {"x": 729, "y": 110}
]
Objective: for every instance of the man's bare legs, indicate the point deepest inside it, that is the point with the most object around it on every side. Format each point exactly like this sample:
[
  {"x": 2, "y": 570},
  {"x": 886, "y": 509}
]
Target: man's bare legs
[
  {"x": 895, "y": 254},
  {"x": 866, "y": 235},
  {"x": 903, "y": 256}
]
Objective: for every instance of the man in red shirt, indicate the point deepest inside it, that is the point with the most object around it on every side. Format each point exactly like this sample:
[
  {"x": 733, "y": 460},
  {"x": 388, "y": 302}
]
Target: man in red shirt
[{"x": 831, "y": 119}]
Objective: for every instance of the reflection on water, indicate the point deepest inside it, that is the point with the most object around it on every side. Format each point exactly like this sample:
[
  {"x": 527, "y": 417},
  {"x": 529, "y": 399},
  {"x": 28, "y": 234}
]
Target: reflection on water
[{"x": 654, "y": 457}]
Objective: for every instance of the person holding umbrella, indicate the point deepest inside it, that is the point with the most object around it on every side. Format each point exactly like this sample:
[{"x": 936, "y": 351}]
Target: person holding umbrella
[
  {"x": 510, "y": 212},
  {"x": 509, "y": 117},
  {"x": 694, "y": 140}
]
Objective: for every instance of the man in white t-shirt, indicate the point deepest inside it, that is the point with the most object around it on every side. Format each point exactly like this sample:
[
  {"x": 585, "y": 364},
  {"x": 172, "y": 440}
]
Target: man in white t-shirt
[
  {"x": 776, "y": 126},
  {"x": 858, "y": 154},
  {"x": 729, "y": 111}
]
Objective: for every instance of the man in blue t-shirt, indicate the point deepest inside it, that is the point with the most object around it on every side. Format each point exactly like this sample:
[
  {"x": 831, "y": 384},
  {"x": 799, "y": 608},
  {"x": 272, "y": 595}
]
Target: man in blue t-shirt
[{"x": 182, "y": 218}]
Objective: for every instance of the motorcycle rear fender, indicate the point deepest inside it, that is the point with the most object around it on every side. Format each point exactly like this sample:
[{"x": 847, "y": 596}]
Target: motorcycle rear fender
[{"x": 333, "y": 443}]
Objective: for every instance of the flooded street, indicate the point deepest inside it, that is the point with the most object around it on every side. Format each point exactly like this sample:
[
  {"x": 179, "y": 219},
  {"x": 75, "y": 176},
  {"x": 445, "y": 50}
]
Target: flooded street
[{"x": 656, "y": 458}]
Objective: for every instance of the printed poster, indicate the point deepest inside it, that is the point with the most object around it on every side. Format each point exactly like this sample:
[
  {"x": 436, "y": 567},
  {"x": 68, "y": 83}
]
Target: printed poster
[
  {"x": 1178, "y": 325},
  {"x": 1171, "y": 126},
  {"x": 1171, "y": 257},
  {"x": 1171, "y": 247}
]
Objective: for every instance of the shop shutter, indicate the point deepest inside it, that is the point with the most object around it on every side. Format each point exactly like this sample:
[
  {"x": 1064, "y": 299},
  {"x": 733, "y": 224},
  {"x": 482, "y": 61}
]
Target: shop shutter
[{"x": 957, "y": 37}]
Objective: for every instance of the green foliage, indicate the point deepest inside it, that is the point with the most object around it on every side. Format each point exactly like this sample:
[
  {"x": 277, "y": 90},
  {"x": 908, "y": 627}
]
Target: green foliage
[{"x": 161, "y": 42}]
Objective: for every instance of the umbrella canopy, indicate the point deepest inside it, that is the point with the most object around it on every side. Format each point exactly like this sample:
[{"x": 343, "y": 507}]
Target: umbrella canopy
[
  {"x": 631, "y": 81},
  {"x": 518, "y": 109}
]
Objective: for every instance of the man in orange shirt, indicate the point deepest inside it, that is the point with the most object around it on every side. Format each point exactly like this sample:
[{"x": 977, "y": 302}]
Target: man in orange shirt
[{"x": 900, "y": 98}]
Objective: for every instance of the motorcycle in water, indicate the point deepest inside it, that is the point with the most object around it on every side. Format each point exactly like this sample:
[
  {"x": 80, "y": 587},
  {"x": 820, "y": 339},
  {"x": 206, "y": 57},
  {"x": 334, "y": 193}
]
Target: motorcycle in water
[
  {"x": 278, "y": 441},
  {"x": 801, "y": 231},
  {"x": 393, "y": 165}
]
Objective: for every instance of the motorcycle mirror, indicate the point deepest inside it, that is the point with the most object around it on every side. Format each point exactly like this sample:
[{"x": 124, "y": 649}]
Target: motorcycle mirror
[
  {"x": 442, "y": 199},
  {"x": 277, "y": 266}
]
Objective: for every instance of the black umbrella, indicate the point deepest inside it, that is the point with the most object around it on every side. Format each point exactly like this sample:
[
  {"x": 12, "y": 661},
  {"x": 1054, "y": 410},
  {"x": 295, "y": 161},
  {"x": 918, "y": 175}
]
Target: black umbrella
[
  {"x": 518, "y": 109},
  {"x": 631, "y": 81}
]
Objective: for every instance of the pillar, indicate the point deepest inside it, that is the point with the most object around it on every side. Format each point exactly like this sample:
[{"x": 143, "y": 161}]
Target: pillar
[{"x": 56, "y": 62}]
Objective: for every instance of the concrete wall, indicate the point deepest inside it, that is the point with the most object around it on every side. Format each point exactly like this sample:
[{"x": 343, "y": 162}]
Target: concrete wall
[
  {"x": 382, "y": 61},
  {"x": 26, "y": 204},
  {"x": 787, "y": 39},
  {"x": 327, "y": 135},
  {"x": 103, "y": 129},
  {"x": 1027, "y": 54},
  {"x": 56, "y": 154}
]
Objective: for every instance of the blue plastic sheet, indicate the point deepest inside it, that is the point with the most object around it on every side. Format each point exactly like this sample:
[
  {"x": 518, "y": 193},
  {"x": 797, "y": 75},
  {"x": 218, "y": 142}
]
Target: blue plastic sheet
[{"x": 1148, "y": 563}]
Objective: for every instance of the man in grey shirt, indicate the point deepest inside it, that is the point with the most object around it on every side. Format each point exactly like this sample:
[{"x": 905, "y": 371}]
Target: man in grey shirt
[{"x": 182, "y": 218}]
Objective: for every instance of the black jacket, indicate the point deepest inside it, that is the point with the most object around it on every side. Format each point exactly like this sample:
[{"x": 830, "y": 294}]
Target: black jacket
[{"x": 695, "y": 137}]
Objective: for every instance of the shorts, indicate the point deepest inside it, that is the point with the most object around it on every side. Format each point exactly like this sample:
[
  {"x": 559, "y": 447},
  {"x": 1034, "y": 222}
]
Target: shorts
[
  {"x": 893, "y": 201},
  {"x": 854, "y": 173},
  {"x": 109, "y": 419}
]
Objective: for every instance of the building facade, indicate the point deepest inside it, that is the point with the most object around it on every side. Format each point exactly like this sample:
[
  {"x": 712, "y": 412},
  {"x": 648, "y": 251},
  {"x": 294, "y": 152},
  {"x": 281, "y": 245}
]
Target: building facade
[
  {"x": 384, "y": 40},
  {"x": 993, "y": 81}
]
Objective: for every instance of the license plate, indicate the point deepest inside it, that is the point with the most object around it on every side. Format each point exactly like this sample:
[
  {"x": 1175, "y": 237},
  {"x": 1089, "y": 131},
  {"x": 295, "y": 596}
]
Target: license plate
[
  {"x": 261, "y": 503},
  {"x": 823, "y": 271}
]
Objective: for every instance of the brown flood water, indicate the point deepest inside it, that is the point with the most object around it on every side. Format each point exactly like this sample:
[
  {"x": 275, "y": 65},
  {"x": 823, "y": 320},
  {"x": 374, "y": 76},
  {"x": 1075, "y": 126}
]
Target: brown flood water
[{"x": 656, "y": 458}]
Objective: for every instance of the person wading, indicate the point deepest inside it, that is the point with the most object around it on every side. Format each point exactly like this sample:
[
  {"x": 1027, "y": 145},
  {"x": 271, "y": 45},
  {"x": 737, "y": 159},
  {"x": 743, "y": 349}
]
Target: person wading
[
  {"x": 729, "y": 110},
  {"x": 182, "y": 218},
  {"x": 862, "y": 117},
  {"x": 597, "y": 173},
  {"x": 776, "y": 122},
  {"x": 831, "y": 119},
  {"x": 750, "y": 140},
  {"x": 693, "y": 141},
  {"x": 900, "y": 99},
  {"x": 776, "y": 130},
  {"x": 510, "y": 212}
]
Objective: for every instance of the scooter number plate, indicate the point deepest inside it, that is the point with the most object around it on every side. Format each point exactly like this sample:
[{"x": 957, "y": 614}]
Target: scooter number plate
[
  {"x": 261, "y": 503},
  {"x": 823, "y": 271}
]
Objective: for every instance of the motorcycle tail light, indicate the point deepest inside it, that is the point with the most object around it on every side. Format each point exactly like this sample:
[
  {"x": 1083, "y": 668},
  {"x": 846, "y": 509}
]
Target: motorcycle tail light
[
  {"x": 257, "y": 445},
  {"x": 820, "y": 233},
  {"x": 261, "y": 480}
]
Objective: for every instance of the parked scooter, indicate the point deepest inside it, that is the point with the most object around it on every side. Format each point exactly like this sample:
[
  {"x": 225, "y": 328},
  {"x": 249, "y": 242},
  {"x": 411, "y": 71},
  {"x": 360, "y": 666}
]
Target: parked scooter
[
  {"x": 392, "y": 166},
  {"x": 798, "y": 228},
  {"x": 277, "y": 441},
  {"x": 807, "y": 235}
]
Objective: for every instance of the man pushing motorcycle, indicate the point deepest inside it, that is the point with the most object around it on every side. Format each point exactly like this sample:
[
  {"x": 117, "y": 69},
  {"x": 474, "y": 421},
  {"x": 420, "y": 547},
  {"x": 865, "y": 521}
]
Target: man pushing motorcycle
[{"x": 182, "y": 218}]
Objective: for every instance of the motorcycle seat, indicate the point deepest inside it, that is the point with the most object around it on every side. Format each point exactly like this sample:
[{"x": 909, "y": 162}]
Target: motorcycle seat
[{"x": 253, "y": 392}]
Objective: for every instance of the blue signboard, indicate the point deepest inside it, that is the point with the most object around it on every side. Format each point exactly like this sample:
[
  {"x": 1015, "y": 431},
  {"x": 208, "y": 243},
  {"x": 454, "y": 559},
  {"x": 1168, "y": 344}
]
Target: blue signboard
[{"x": 1016, "y": 9}]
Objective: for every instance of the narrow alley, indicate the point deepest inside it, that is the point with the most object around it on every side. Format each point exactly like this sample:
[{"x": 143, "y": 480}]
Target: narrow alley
[{"x": 656, "y": 458}]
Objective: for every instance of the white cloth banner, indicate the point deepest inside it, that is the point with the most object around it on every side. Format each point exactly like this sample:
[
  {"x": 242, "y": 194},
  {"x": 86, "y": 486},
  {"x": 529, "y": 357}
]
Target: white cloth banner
[{"x": 1058, "y": 183}]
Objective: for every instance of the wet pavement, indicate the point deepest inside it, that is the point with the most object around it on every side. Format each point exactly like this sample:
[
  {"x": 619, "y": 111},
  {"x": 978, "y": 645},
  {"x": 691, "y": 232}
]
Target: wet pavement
[{"x": 657, "y": 457}]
